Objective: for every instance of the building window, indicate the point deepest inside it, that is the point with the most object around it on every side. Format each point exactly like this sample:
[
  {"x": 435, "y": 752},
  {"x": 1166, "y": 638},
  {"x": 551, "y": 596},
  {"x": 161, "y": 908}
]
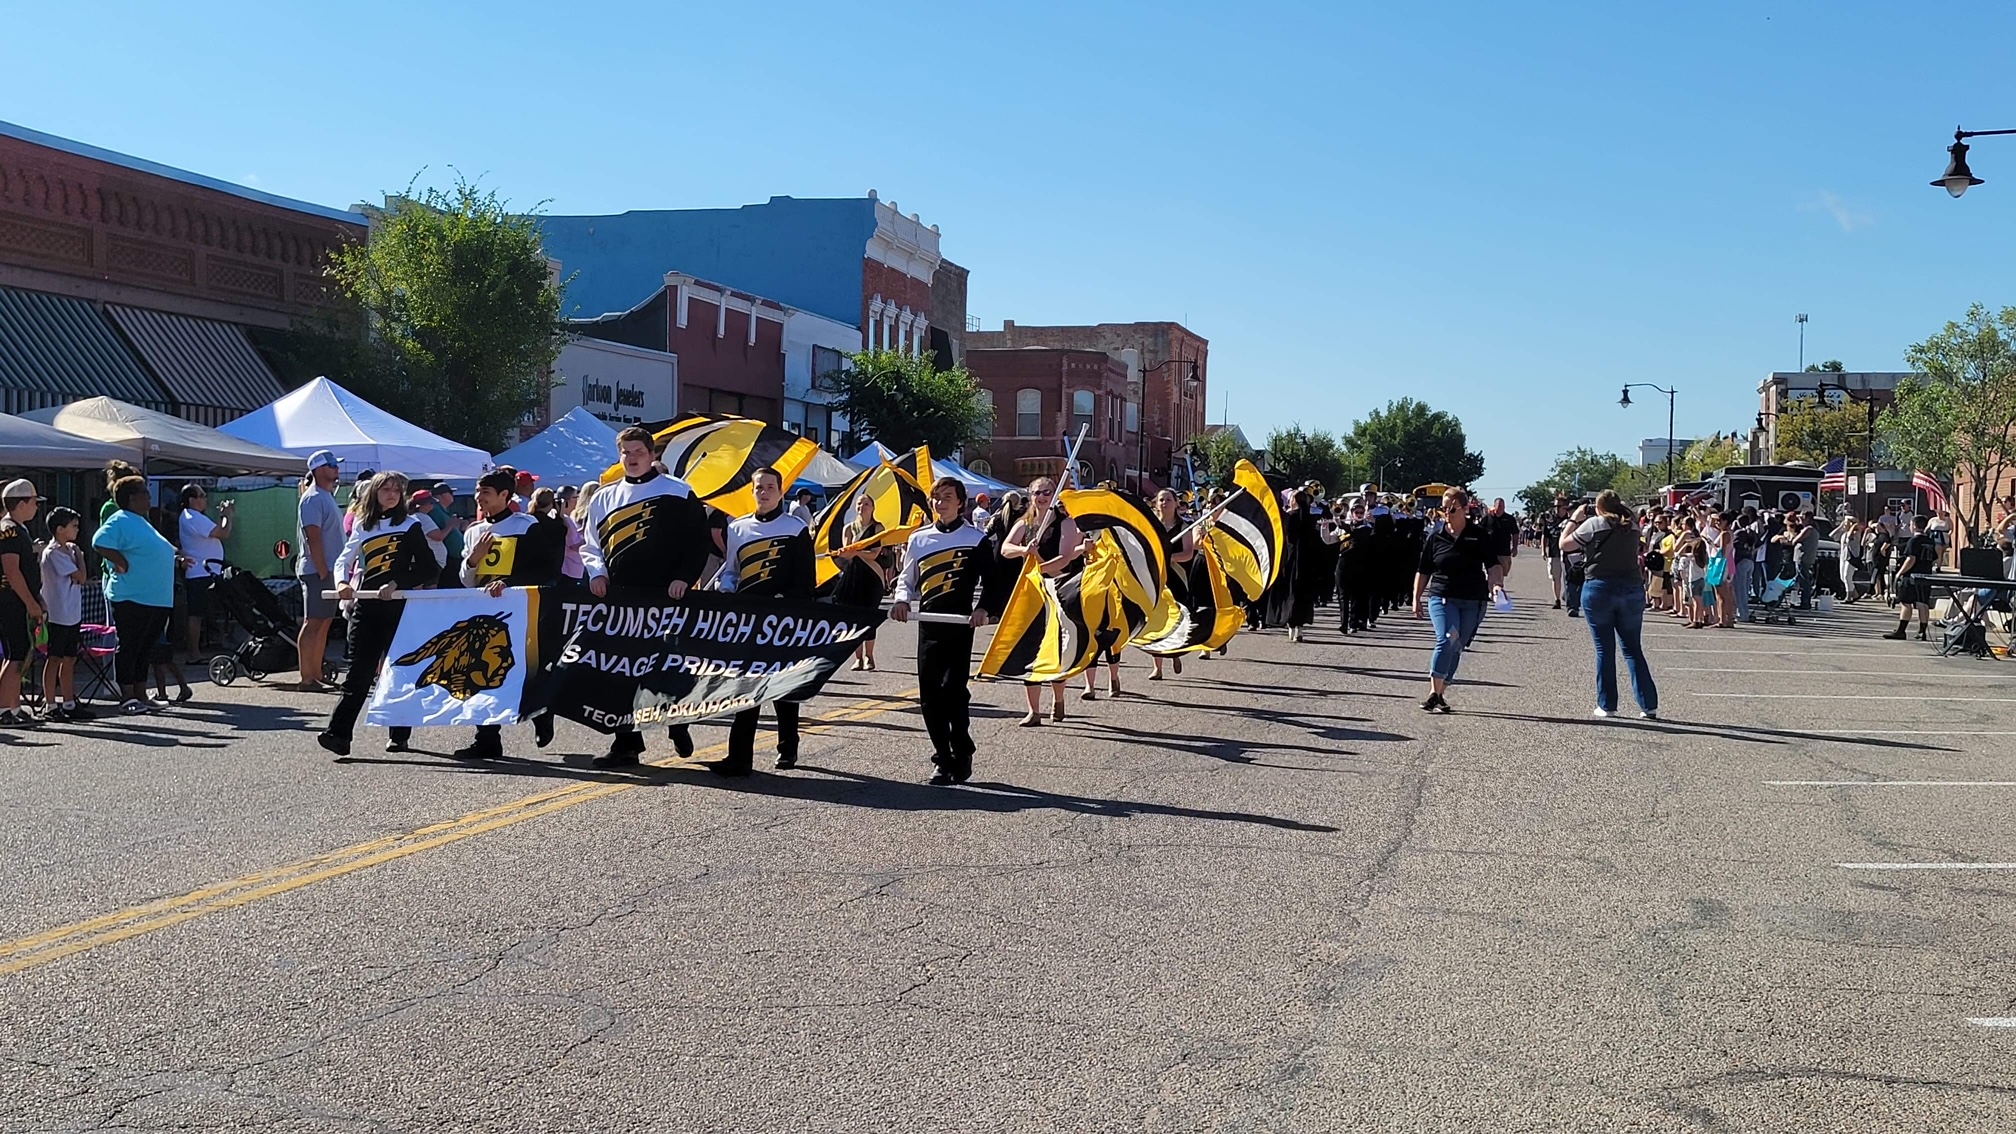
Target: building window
[
  {"x": 1028, "y": 413},
  {"x": 984, "y": 401},
  {"x": 1082, "y": 404},
  {"x": 980, "y": 467},
  {"x": 826, "y": 360},
  {"x": 1133, "y": 417}
]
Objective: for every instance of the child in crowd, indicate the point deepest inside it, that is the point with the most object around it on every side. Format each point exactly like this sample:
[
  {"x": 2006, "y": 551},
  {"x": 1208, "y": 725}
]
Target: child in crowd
[{"x": 63, "y": 598}]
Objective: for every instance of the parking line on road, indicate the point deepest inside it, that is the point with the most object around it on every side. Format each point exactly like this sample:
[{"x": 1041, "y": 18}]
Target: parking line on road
[
  {"x": 1853, "y": 697},
  {"x": 1901, "y": 732},
  {"x": 1993, "y": 1021},
  {"x": 1842, "y": 673},
  {"x": 1926, "y": 865},
  {"x": 77, "y": 937},
  {"x": 1890, "y": 783}
]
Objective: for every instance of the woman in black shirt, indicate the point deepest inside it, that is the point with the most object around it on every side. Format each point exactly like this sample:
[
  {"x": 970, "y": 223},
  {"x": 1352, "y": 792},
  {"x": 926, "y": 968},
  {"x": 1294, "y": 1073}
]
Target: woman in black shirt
[{"x": 1459, "y": 572}]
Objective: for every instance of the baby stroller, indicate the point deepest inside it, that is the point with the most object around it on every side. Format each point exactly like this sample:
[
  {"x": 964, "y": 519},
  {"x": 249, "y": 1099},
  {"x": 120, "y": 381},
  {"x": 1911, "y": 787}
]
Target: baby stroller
[
  {"x": 274, "y": 641},
  {"x": 1778, "y": 597}
]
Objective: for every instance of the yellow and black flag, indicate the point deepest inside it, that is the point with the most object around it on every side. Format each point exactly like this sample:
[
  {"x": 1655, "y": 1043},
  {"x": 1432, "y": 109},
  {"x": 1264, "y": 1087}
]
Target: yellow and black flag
[
  {"x": 717, "y": 456},
  {"x": 1042, "y": 635},
  {"x": 902, "y": 505},
  {"x": 1205, "y": 620},
  {"x": 1135, "y": 536},
  {"x": 1053, "y": 629},
  {"x": 1248, "y": 535}
]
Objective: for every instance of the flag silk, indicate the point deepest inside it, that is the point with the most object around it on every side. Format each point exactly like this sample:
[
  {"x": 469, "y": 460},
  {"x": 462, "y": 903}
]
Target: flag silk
[
  {"x": 1833, "y": 475},
  {"x": 717, "y": 456},
  {"x": 1205, "y": 622},
  {"x": 1135, "y": 534},
  {"x": 1935, "y": 493},
  {"x": 902, "y": 505},
  {"x": 1248, "y": 535},
  {"x": 917, "y": 462},
  {"x": 459, "y": 661},
  {"x": 1042, "y": 634}
]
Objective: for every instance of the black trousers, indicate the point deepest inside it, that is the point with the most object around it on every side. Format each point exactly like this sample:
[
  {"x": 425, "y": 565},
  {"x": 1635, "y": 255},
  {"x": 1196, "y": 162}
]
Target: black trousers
[
  {"x": 944, "y": 664},
  {"x": 373, "y": 622},
  {"x": 140, "y": 628},
  {"x": 742, "y": 733}
]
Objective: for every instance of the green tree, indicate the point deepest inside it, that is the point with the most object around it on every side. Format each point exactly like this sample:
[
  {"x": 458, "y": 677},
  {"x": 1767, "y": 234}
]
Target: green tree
[
  {"x": 1831, "y": 366},
  {"x": 904, "y": 400},
  {"x": 1816, "y": 431},
  {"x": 1709, "y": 455},
  {"x": 1303, "y": 455},
  {"x": 1968, "y": 397},
  {"x": 1217, "y": 453},
  {"x": 1417, "y": 444},
  {"x": 1576, "y": 473},
  {"x": 464, "y": 303}
]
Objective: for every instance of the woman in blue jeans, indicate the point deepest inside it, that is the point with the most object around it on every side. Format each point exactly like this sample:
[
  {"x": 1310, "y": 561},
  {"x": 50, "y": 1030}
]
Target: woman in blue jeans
[
  {"x": 1613, "y": 599},
  {"x": 1459, "y": 573}
]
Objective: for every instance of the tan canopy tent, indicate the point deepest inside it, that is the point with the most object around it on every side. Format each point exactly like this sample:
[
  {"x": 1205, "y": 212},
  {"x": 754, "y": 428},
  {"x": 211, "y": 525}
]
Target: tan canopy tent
[
  {"x": 163, "y": 445},
  {"x": 28, "y": 444}
]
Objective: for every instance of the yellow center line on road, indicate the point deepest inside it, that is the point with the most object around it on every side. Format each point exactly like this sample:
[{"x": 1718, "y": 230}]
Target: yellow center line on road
[{"x": 91, "y": 933}]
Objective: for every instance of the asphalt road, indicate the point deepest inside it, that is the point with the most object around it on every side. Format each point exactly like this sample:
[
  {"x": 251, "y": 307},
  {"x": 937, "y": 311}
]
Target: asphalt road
[{"x": 1269, "y": 895}]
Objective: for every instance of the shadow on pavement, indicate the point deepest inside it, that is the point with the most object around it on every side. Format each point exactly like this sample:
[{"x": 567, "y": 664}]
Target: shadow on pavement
[
  {"x": 1750, "y": 733},
  {"x": 644, "y": 776}
]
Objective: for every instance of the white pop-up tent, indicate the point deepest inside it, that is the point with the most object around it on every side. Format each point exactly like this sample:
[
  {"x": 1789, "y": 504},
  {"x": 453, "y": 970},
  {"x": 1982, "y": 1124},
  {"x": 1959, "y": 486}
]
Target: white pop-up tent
[
  {"x": 28, "y": 444},
  {"x": 875, "y": 452},
  {"x": 164, "y": 445},
  {"x": 577, "y": 449},
  {"x": 323, "y": 415}
]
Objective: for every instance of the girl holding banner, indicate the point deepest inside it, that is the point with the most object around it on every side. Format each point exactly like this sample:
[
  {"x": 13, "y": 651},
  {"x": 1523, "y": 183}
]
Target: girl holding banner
[{"x": 387, "y": 549}]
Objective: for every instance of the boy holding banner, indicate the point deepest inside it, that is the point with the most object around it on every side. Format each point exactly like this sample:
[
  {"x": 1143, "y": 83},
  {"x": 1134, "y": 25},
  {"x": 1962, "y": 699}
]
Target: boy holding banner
[
  {"x": 508, "y": 548},
  {"x": 943, "y": 565},
  {"x": 768, "y": 554},
  {"x": 645, "y": 532}
]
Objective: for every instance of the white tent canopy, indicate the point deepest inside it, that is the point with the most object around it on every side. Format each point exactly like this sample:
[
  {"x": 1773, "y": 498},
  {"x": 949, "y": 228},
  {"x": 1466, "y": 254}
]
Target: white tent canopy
[
  {"x": 323, "y": 415},
  {"x": 574, "y": 450},
  {"x": 827, "y": 471},
  {"x": 875, "y": 452},
  {"x": 28, "y": 444},
  {"x": 160, "y": 443}
]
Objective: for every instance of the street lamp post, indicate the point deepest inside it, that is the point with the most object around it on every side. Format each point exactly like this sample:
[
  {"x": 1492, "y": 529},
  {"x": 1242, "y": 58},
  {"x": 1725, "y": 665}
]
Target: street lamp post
[
  {"x": 1768, "y": 455},
  {"x": 1958, "y": 178},
  {"x": 1625, "y": 401},
  {"x": 1141, "y": 424},
  {"x": 1868, "y": 400}
]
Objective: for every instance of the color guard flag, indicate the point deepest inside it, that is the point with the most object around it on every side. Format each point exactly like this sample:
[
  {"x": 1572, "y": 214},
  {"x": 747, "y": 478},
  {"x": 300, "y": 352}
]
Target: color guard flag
[
  {"x": 718, "y": 455},
  {"x": 1042, "y": 635},
  {"x": 902, "y": 505},
  {"x": 1204, "y": 619},
  {"x": 1248, "y": 535},
  {"x": 1127, "y": 529}
]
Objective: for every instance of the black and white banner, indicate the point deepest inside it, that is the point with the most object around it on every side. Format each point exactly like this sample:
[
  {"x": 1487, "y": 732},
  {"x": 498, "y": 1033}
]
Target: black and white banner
[{"x": 462, "y": 657}]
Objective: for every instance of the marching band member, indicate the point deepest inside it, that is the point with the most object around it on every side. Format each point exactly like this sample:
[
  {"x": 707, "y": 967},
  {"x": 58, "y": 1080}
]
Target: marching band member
[
  {"x": 943, "y": 565},
  {"x": 1047, "y": 532},
  {"x": 767, "y": 554},
  {"x": 387, "y": 550},
  {"x": 646, "y": 534},
  {"x": 508, "y": 548}
]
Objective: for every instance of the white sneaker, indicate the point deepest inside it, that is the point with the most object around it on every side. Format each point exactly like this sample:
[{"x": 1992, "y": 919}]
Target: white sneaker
[
  {"x": 1651, "y": 716},
  {"x": 1603, "y": 714}
]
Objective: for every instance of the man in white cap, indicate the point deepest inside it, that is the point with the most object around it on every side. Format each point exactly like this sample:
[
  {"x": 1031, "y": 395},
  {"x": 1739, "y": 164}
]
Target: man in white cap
[
  {"x": 20, "y": 596},
  {"x": 321, "y": 537}
]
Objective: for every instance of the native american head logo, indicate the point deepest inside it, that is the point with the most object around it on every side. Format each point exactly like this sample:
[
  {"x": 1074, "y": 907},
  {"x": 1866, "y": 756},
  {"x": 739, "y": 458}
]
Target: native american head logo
[{"x": 468, "y": 658}]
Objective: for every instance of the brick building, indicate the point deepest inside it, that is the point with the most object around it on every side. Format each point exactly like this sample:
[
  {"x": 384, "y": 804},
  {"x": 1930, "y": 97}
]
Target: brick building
[
  {"x": 123, "y": 277},
  {"x": 729, "y": 344},
  {"x": 1041, "y": 398},
  {"x": 1167, "y": 378}
]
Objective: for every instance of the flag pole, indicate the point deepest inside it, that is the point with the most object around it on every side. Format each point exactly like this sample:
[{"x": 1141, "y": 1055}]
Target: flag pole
[{"x": 1216, "y": 511}]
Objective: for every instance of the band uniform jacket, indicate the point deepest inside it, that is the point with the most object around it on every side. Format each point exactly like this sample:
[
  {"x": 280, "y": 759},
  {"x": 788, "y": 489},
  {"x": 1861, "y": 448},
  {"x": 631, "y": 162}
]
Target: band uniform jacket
[
  {"x": 770, "y": 556},
  {"x": 395, "y": 552},
  {"x": 646, "y": 533},
  {"x": 525, "y": 551}
]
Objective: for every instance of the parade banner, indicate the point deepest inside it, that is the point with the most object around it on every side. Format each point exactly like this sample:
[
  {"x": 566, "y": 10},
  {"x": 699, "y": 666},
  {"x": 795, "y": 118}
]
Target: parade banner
[
  {"x": 626, "y": 663},
  {"x": 464, "y": 658},
  {"x": 458, "y": 660}
]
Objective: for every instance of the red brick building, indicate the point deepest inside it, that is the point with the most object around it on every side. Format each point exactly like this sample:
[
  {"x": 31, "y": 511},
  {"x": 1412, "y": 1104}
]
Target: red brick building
[
  {"x": 1041, "y": 397},
  {"x": 137, "y": 280},
  {"x": 730, "y": 344},
  {"x": 1167, "y": 368}
]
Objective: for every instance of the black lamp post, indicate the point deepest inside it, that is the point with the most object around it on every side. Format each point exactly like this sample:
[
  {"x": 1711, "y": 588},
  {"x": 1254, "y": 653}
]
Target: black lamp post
[
  {"x": 1625, "y": 401},
  {"x": 1772, "y": 450},
  {"x": 1958, "y": 178},
  {"x": 1141, "y": 426},
  {"x": 1868, "y": 400}
]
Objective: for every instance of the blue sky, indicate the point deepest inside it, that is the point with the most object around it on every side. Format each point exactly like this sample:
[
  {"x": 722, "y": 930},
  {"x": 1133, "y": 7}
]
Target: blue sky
[{"x": 1504, "y": 210}]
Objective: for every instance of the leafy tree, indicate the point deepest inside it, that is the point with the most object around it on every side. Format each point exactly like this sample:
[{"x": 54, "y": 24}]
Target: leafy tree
[
  {"x": 904, "y": 400},
  {"x": 464, "y": 303},
  {"x": 1218, "y": 452},
  {"x": 1423, "y": 446},
  {"x": 1577, "y": 472},
  {"x": 1709, "y": 455},
  {"x": 1968, "y": 398},
  {"x": 1831, "y": 366},
  {"x": 1301, "y": 455},
  {"x": 1813, "y": 430}
]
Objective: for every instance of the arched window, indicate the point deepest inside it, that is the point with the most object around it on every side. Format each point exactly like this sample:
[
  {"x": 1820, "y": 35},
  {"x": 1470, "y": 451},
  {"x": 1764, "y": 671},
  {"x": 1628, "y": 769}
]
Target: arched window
[
  {"x": 984, "y": 402},
  {"x": 1082, "y": 404},
  {"x": 1028, "y": 413},
  {"x": 980, "y": 466}
]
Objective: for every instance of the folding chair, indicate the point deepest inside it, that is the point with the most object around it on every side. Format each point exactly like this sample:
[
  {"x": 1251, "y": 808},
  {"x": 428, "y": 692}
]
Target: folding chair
[{"x": 97, "y": 645}]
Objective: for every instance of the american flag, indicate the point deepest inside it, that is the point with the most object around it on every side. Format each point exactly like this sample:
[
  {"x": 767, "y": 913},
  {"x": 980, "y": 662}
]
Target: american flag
[
  {"x": 1834, "y": 475},
  {"x": 1935, "y": 493}
]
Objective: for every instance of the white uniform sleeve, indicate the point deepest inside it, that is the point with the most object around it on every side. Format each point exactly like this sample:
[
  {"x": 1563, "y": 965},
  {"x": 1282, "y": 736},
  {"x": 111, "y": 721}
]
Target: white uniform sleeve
[
  {"x": 591, "y": 539},
  {"x": 730, "y": 574},
  {"x": 467, "y": 568},
  {"x": 346, "y": 560},
  {"x": 906, "y": 580}
]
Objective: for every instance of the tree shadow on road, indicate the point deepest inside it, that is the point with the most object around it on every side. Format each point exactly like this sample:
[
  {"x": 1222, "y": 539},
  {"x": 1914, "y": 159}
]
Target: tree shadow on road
[
  {"x": 857, "y": 789},
  {"x": 1748, "y": 733}
]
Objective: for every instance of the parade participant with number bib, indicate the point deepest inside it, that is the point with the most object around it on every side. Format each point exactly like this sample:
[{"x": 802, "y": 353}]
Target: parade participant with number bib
[
  {"x": 388, "y": 550},
  {"x": 647, "y": 535},
  {"x": 768, "y": 554},
  {"x": 943, "y": 565},
  {"x": 508, "y": 549}
]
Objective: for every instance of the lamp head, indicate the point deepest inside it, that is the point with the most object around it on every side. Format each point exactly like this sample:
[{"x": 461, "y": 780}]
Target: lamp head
[
  {"x": 1958, "y": 178},
  {"x": 1625, "y": 401}
]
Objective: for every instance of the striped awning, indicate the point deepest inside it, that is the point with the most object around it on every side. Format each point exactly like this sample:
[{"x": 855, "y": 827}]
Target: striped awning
[
  {"x": 210, "y": 368},
  {"x": 55, "y": 349}
]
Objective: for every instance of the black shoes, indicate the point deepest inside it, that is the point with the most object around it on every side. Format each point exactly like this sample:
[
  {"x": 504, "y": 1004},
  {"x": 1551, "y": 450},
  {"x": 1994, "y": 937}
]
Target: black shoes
[
  {"x": 396, "y": 746},
  {"x": 480, "y": 751},
  {"x": 624, "y": 748},
  {"x": 1896, "y": 635},
  {"x": 730, "y": 768},
  {"x": 1557, "y": 604},
  {"x": 682, "y": 740},
  {"x": 1434, "y": 704},
  {"x": 786, "y": 761},
  {"x": 542, "y": 729},
  {"x": 952, "y": 770},
  {"x": 1921, "y": 633},
  {"x": 330, "y": 742}
]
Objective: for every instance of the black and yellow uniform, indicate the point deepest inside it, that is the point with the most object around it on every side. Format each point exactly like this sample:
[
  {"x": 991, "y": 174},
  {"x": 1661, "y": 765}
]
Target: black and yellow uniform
[
  {"x": 943, "y": 567},
  {"x": 524, "y": 551},
  {"x": 768, "y": 554},
  {"x": 643, "y": 534},
  {"x": 392, "y": 551}
]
